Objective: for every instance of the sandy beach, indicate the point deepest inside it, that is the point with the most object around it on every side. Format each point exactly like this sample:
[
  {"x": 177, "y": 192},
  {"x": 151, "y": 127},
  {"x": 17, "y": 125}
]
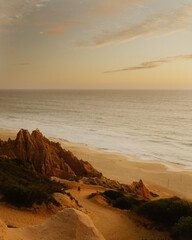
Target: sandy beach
[{"x": 165, "y": 179}]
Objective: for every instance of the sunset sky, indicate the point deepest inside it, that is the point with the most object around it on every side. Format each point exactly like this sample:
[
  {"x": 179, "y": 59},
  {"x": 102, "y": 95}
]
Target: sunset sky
[{"x": 96, "y": 44}]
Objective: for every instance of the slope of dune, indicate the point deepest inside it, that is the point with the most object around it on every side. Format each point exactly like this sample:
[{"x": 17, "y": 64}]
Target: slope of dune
[{"x": 69, "y": 224}]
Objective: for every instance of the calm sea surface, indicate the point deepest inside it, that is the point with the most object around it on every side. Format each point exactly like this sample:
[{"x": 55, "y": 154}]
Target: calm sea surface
[{"x": 151, "y": 124}]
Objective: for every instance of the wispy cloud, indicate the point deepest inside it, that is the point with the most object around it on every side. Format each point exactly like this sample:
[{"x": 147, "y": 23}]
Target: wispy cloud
[
  {"x": 14, "y": 11},
  {"x": 62, "y": 27},
  {"x": 58, "y": 30},
  {"x": 23, "y": 63},
  {"x": 153, "y": 64},
  {"x": 106, "y": 8},
  {"x": 176, "y": 20},
  {"x": 9, "y": 50}
]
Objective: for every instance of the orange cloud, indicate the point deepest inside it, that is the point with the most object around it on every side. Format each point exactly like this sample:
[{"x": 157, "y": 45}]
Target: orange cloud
[
  {"x": 62, "y": 27},
  {"x": 9, "y": 50},
  {"x": 58, "y": 30},
  {"x": 107, "y": 8}
]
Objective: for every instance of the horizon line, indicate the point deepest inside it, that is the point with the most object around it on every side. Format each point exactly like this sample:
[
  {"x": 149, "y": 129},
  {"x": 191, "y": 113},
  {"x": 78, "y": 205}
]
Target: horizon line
[{"x": 95, "y": 89}]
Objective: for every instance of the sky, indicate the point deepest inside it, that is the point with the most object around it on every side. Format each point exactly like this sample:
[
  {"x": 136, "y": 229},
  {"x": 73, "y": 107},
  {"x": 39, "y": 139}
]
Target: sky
[{"x": 95, "y": 44}]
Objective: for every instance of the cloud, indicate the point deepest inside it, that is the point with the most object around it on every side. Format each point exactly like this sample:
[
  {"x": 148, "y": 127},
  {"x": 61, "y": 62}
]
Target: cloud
[
  {"x": 62, "y": 27},
  {"x": 58, "y": 30},
  {"x": 14, "y": 11},
  {"x": 176, "y": 20},
  {"x": 9, "y": 50},
  {"x": 106, "y": 8},
  {"x": 23, "y": 63},
  {"x": 153, "y": 64}
]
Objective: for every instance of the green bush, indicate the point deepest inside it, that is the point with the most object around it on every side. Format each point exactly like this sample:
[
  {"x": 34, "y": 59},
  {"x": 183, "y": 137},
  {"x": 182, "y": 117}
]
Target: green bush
[
  {"x": 182, "y": 229},
  {"x": 20, "y": 195},
  {"x": 113, "y": 195},
  {"x": 125, "y": 202},
  {"x": 165, "y": 211},
  {"x": 119, "y": 200},
  {"x": 21, "y": 186}
]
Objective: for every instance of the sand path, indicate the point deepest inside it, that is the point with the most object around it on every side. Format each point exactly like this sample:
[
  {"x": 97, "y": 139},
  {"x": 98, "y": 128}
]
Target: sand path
[{"x": 114, "y": 224}]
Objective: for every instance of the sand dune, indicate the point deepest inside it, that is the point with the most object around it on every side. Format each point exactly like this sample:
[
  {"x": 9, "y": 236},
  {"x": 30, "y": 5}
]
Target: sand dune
[{"x": 69, "y": 224}]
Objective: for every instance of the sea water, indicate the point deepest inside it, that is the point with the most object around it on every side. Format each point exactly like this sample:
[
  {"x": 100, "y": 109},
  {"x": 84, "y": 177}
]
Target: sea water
[{"x": 152, "y": 124}]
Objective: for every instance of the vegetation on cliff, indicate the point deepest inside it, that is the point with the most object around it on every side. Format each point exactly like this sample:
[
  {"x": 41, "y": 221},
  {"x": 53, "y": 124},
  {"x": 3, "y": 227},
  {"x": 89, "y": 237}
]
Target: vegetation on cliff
[{"x": 21, "y": 186}]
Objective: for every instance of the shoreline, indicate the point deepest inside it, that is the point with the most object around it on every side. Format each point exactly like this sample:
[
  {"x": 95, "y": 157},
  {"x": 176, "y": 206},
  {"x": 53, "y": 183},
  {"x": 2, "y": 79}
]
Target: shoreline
[{"x": 164, "y": 178}]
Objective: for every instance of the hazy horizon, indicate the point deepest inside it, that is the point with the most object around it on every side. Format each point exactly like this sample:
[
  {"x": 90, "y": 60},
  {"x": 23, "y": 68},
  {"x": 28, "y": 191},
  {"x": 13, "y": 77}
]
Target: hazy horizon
[{"x": 95, "y": 89}]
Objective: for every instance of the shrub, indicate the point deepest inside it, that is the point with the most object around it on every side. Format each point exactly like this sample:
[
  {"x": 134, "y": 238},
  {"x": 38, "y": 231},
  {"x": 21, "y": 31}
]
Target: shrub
[
  {"x": 113, "y": 195},
  {"x": 182, "y": 229},
  {"x": 21, "y": 186},
  {"x": 165, "y": 211},
  {"x": 124, "y": 202}
]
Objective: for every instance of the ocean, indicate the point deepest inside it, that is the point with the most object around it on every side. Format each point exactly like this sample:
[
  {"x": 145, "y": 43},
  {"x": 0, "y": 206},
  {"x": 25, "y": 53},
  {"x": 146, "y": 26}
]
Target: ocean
[{"x": 151, "y": 124}]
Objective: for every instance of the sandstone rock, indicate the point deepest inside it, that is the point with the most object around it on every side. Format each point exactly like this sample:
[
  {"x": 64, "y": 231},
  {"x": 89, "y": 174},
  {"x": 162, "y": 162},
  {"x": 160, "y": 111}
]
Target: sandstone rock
[
  {"x": 46, "y": 156},
  {"x": 140, "y": 189}
]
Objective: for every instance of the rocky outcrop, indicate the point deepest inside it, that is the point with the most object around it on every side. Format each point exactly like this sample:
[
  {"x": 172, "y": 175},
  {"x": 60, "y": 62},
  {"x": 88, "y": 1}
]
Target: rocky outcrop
[
  {"x": 45, "y": 156},
  {"x": 69, "y": 224},
  {"x": 49, "y": 158},
  {"x": 140, "y": 189},
  {"x": 137, "y": 189}
]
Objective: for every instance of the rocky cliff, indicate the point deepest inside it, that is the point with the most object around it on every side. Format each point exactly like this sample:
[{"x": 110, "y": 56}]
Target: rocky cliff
[
  {"x": 49, "y": 158},
  {"x": 45, "y": 156}
]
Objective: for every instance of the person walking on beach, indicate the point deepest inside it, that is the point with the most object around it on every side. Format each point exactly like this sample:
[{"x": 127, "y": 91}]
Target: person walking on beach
[{"x": 79, "y": 189}]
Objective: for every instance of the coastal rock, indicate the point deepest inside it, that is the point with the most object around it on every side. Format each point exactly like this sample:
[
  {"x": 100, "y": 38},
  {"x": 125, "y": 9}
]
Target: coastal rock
[
  {"x": 45, "y": 156},
  {"x": 69, "y": 224},
  {"x": 140, "y": 189}
]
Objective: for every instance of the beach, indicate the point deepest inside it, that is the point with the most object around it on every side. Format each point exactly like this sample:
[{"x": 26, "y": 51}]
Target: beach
[{"x": 165, "y": 179}]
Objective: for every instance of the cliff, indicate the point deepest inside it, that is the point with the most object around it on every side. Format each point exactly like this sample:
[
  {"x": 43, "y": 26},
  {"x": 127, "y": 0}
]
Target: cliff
[
  {"x": 45, "y": 156},
  {"x": 49, "y": 158}
]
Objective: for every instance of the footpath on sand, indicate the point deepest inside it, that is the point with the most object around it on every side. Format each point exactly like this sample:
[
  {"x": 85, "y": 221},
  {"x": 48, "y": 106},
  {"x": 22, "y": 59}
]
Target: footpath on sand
[{"x": 113, "y": 223}]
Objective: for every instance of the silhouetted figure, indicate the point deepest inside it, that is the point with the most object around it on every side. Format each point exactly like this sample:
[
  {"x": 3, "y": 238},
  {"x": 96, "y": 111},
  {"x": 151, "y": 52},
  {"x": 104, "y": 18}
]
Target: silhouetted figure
[{"x": 79, "y": 189}]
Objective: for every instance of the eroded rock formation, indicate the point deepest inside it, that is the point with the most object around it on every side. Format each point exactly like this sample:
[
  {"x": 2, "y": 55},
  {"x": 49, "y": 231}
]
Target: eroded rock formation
[
  {"x": 137, "y": 189},
  {"x": 45, "y": 156},
  {"x": 49, "y": 158},
  {"x": 140, "y": 189}
]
